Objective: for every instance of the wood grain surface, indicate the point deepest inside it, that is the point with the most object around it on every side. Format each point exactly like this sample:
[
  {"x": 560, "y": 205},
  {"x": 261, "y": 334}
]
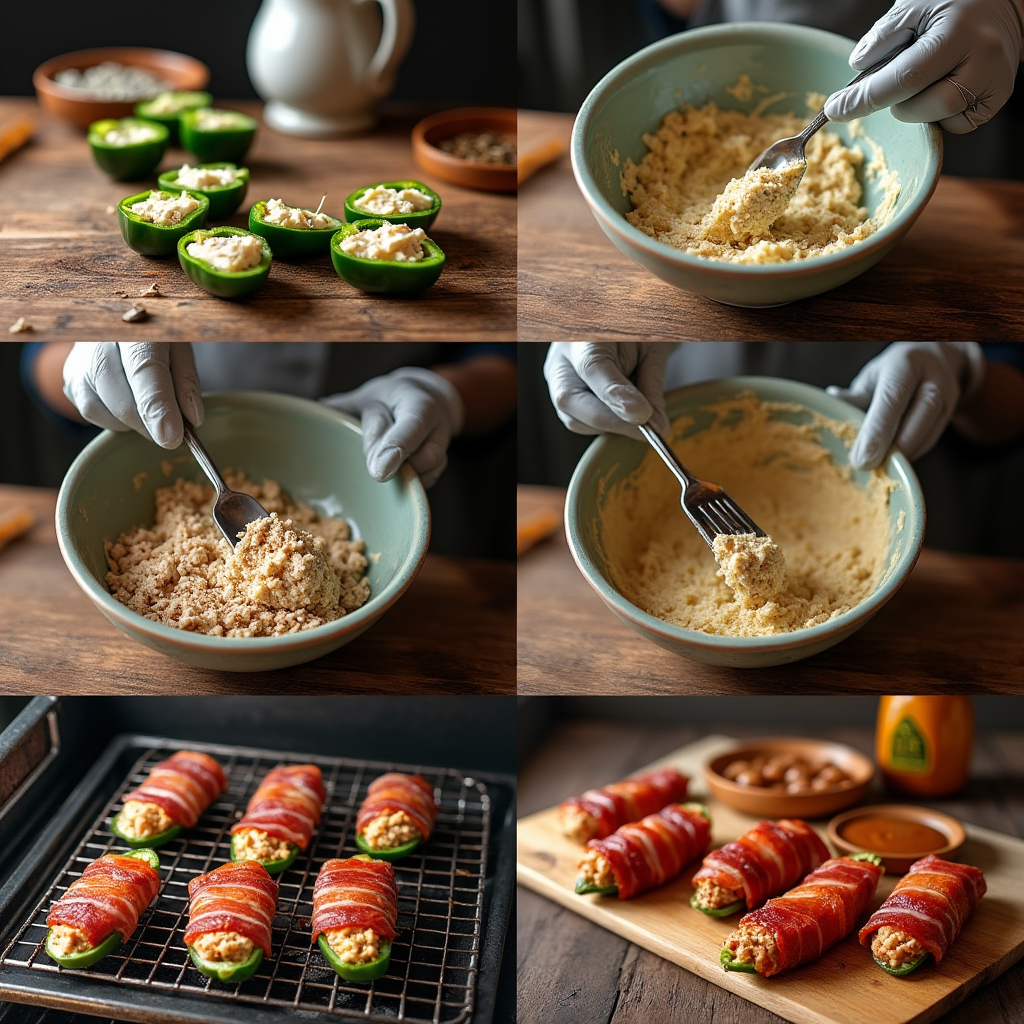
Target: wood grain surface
[
  {"x": 571, "y": 970},
  {"x": 63, "y": 262},
  {"x": 452, "y": 632},
  {"x": 956, "y": 622},
  {"x": 943, "y": 280}
]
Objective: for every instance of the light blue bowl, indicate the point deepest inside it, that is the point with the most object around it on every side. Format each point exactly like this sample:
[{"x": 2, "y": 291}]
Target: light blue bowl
[
  {"x": 696, "y": 67},
  {"x": 612, "y": 458},
  {"x": 314, "y": 452}
]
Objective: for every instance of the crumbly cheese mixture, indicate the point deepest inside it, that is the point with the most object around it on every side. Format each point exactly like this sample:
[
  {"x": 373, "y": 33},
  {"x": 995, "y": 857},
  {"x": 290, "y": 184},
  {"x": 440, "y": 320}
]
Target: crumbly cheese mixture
[
  {"x": 894, "y": 947},
  {"x": 713, "y": 896},
  {"x": 294, "y": 217},
  {"x": 396, "y": 242},
  {"x": 354, "y": 945},
  {"x": 218, "y": 947},
  {"x": 183, "y": 573},
  {"x": 390, "y": 829},
  {"x": 751, "y": 943},
  {"x": 577, "y": 823},
  {"x": 165, "y": 208},
  {"x": 66, "y": 940},
  {"x": 141, "y": 820},
  {"x": 129, "y": 135},
  {"x": 206, "y": 177},
  {"x": 595, "y": 870},
  {"x": 231, "y": 253},
  {"x": 834, "y": 532},
  {"x": 751, "y": 204},
  {"x": 254, "y": 844},
  {"x": 210, "y": 120},
  {"x": 753, "y": 567},
  {"x": 388, "y": 201}
]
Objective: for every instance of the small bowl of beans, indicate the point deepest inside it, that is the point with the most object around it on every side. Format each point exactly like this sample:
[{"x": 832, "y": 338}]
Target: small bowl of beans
[
  {"x": 474, "y": 147},
  {"x": 790, "y": 777}
]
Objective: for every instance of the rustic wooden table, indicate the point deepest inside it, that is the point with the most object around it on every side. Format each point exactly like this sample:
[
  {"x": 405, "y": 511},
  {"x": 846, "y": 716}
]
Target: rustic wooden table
[
  {"x": 955, "y": 621},
  {"x": 65, "y": 268},
  {"x": 958, "y": 273},
  {"x": 572, "y": 970},
  {"x": 452, "y": 632}
]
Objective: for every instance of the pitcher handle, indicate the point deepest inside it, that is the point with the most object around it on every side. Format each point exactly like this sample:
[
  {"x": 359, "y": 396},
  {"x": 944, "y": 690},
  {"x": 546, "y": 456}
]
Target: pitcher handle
[{"x": 395, "y": 39}]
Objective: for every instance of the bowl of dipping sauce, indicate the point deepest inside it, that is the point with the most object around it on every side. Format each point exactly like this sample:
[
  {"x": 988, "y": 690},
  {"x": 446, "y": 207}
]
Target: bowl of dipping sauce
[{"x": 899, "y": 833}]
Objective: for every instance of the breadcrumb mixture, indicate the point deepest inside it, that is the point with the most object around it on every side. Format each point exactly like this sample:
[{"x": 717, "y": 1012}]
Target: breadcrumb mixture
[
  {"x": 390, "y": 830},
  {"x": 254, "y": 844},
  {"x": 750, "y": 205},
  {"x": 595, "y": 870},
  {"x": 750, "y": 943},
  {"x": 292, "y": 571},
  {"x": 894, "y": 947},
  {"x": 753, "y": 567},
  {"x": 713, "y": 896},
  {"x": 66, "y": 940},
  {"x": 138, "y": 819},
  {"x": 218, "y": 947},
  {"x": 354, "y": 945},
  {"x": 578, "y": 824}
]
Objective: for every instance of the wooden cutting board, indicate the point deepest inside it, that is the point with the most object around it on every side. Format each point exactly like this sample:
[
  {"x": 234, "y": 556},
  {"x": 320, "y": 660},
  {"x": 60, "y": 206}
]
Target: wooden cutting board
[{"x": 844, "y": 986}]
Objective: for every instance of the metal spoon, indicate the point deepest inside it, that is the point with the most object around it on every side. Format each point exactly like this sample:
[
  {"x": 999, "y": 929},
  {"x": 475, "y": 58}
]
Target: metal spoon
[{"x": 233, "y": 511}]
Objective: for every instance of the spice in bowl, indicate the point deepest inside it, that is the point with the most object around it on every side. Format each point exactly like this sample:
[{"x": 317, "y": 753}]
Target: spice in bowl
[
  {"x": 785, "y": 771},
  {"x": 113, "y": 82},
  {"x": 481, "y": 148}
]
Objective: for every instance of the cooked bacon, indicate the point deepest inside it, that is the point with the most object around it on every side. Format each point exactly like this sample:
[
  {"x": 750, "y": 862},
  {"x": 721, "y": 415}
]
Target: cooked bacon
[
  {"x": 239, "y": 898},
  {"x": 184, "y": 786},
  {"x": 765, "y": 861},
  {"x": 930, "y": 903},
  {"x": 397, "y": 792},
  {"x": 287, "y": 804},
  {"x": 108, "y": 897},
  {"x": 629, "y": 800},
  {"x": 651, "y": 852},
  {"x": 355, "y": 893}
]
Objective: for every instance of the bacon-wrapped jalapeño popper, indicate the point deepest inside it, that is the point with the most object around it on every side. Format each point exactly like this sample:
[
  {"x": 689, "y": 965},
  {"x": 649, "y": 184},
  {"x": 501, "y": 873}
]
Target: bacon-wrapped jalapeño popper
[
  {"x": 230, "y": 914},
  {"x": 599, "y": 812},
  {"x": 923, "y": 914},
  {"x": 795, "y": 929},
  {"x": 355, "y": 910},
  {"x": 174, "y": 795},
  {"x": 766, "y": 861},
  {"x": 101, "y": 908},
  {"x": 280, "y": 818},
  {"x": 645, "y": 854},
  {"x": 397, "y": 815}
]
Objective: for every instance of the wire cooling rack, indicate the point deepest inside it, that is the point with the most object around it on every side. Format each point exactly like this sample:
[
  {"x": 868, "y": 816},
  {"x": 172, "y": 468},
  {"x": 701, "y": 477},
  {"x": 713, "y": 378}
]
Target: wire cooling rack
[{"x": 434, "y": 958}]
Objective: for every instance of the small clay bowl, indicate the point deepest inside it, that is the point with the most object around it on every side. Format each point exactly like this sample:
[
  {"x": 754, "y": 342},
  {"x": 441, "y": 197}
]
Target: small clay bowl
[
  {"x": 183, "y": 72},
  {"x": 899, "y": 863},
  {"x": 774, "y": 803},
  {"x": 432, "y": 130}
]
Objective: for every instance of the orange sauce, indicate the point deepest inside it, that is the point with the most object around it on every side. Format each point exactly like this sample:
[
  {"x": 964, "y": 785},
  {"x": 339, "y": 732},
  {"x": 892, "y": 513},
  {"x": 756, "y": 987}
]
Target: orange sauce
[{"x": 880, "y": 833}]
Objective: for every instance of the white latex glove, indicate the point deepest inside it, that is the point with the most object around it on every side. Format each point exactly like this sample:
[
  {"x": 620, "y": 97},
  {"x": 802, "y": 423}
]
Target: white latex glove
[
  {"x": 608, "y": 387},
  {"x": 958, "y": 69},
  {"x": 911, "y": 391},
  {"x": 135, "y": 385},
  {"x": 411, "y": 414}
]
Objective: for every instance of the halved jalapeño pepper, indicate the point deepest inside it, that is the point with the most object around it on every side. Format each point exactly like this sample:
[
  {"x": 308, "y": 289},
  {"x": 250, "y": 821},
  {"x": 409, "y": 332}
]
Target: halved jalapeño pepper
[
  {"x": 128, "y": 149},
  {"x": 730, "y": 963},
  {"x": 152, "y": 239},
  {"x": 391, "y": 853},
  {"x": 358, "y": 973},
  {"x": 225, "y": 284},
  {"x": 289, "y": 241},
  {"x": 168, "y": 107},
  {"x": 229, "y": 971},
  {"x": 415, "y": 218},
  {"x": 135, "y": 842},
  {"x": 217, "y": 134},
  {"x": 589, "y": 889},
  {"x": 908, "y": 968},
  {"x": 274, "y": 867},
  {"x": 727, "y": 911},
  {"x": 223, "y": 199},
  {"x": 388, "y": 277}
]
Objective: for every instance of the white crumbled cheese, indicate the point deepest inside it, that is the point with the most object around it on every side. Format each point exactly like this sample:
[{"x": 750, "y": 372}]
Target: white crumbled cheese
[
  {"x": 254, "y": 844},
  {"x": 293, "y": 217},
  {"x": 595, "y": 870},
  {"x": 354, "y": 945},
  {"x": 232, "y": 253},
  {"x": 210, "y": 120},
  {"x": 396, "y": 242},
  {"x": 390, "y": 829},
  {"x": 140, "y": 820},
  {"x": 130, "y": 135},
  {"x": 164, "y": 208},
  {"x": 65, "y": 940},
  {"x": 206, "y": 177},
  {"x": 220, "y": 947},
  {"x": 389, "y": 201}
]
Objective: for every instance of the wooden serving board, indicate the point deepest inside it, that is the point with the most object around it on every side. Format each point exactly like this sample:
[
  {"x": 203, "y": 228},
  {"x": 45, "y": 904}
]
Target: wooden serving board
[{"x": 844, "y": 986}]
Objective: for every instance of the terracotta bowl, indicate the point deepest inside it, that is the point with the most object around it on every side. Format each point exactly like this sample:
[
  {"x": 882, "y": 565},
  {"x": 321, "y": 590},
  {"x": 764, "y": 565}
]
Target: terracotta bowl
[
  {"x": 899, "y": 864},
  {"x": 432, "y": 130},
  {"x": 184, "y": 73},
  {"x": 770, "y": 803}
]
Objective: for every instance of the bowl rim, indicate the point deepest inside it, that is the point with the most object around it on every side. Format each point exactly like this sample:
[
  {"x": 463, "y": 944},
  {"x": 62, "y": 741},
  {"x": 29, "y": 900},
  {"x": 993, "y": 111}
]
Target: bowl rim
[
  {"x": 951, "y": 828},
  {"x": 733, "y": 32},
  {"x": 707, "y": 391},
  {"x": 130, "y": 621}
]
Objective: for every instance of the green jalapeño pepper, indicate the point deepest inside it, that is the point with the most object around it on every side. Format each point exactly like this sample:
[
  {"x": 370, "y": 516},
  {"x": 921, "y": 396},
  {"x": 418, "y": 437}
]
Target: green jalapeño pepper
[
  {"x": 293, "y": 242},
  {"x": 358, "y": 973},
  {"x": 726, "y": 911},
  {"x": 415, "y": 219},
  {"x": 129, "y": 149},
  {"x": 392, "y": 853},
  {"x": 908, "y": 968},
  {"x": 389, "y": 277},
  {"x": 135, "y": 842},
  {"x": 274, "y": 867},
  {"x": 225, "y": 284},
  {"x": 223, "y": 199},
  {"x": 151, "y": 239},
  {"x": 229, "y": 971},
  {"x": 168, "y": 107},
  {"x": 217, "y": 134},
  {"x": 730, "y": 963}
]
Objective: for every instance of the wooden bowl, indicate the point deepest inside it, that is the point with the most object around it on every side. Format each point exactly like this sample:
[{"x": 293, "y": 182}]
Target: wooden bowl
[
  {"x": 432, "y": 130},
  {"x": 771, "y": 803},
  {"x": 183, "y": 72},
  {"x": 899, "y": 863}
]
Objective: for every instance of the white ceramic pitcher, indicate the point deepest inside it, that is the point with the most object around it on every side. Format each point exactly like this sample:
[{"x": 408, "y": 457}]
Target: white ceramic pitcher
[{"x": 322, "y": 65}]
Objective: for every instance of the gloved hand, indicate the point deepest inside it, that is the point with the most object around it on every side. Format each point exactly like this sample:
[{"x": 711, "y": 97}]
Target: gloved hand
[
  {"x": 910, "y": 392},
  {"x": 958, "y": 69},
  {"x": 408, "y": 414},
  {"x": 135, "y": 385},
  {"x": 608, "y": 387}
]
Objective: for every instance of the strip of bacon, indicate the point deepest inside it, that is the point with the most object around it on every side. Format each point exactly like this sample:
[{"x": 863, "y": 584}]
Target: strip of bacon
[
  {"x": 355, "y": 893},
  {"x": 397, "y": 792},
  {"x": 765, "y": 861},
  {"x": 184, "y": 786},
  {"x": 629, "y": 800},
  {"x": 287, "y": 804},
  {"x": 930, "y": 903},
  {"x": 238, "y": 897},
  {"x": 109, "y": 896}
]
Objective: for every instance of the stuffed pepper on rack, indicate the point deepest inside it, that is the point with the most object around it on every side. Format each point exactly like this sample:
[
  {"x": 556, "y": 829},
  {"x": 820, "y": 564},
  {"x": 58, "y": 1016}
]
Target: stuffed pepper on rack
[
  {"x": 397, "y": 815},
  {"x": 280, "y": 818},
  {"x": 230, "y": 914},
  {"x": 645, "y": 854},
  {"x": 173, "y": 797},
  {"x": 101, "y": 908},
  {"x": 355, "y": 910}
]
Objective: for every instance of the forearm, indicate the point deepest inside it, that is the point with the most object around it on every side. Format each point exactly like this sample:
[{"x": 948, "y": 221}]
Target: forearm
[
  {"x": 995, "y": 414},
  {"x": 48, "y": 377},
  {"x": 487, "y": 386}
]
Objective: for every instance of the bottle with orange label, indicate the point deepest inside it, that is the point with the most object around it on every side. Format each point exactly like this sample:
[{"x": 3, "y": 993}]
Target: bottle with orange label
[{"x": 923, "y": 744}]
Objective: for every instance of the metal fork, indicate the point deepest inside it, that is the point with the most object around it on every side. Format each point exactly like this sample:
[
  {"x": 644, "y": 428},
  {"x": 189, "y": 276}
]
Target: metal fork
[{"x": 709, "y": 507}]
